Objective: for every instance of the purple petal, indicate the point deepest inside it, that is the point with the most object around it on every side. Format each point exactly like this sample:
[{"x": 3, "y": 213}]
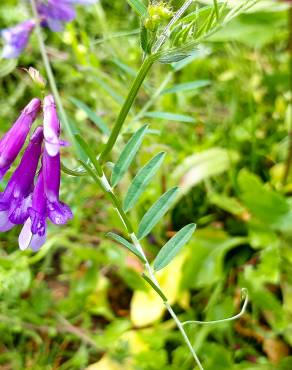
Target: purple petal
[
  {"x": 59, "y": 213},
  {"x": 57, "y": 10},
  {"x": 52, "y": 176},
  {"x": 16, "y": 199},
  {"x": 81, "y": 2},
  {"x": 37, "y": 242},
  {"x": 19, "y": 210},
  {"x": 5, "y": 224},
  {"x": 27, "y": 239},
  {"x": 16, "y": 38},
  {"x": 13, "y": 141},
  {"x": 51, "y": 126}
]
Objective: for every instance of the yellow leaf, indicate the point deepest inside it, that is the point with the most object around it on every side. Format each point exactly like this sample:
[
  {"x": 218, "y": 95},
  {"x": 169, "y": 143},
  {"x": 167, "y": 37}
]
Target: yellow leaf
[{"x": 106, "y": 363}]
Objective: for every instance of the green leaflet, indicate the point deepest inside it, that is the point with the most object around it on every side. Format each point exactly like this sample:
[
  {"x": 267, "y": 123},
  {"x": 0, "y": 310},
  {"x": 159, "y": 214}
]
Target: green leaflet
[
  {"x": 156, "y": 212},
  {"x": 173, "y": 247},
  {"x": 170, "y": 116},
  {"x": 141, "y": 181},
  {"x": 91, "y": 115},
  {"x": 126, "y": 244},
  {"x": 138, "y": 6},
  {"x": 127, "y": 155},
  {"x": 188, "y": 86}
]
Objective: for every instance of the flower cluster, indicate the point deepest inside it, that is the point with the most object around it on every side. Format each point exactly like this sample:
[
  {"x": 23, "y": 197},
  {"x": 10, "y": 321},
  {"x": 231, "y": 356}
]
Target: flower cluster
[
  {"x": 53, "y": 14},
  {"x": 25, "y": 201}
]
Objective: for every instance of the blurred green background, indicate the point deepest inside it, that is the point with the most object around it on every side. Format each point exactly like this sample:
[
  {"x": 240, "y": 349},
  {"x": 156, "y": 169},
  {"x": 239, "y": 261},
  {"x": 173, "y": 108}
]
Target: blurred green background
[{"x": 223, "y": 116}]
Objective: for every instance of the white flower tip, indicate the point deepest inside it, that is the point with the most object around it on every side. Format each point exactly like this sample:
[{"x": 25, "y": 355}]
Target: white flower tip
[
  {"x": 52, "y": 149},
  {"x": 25, "y": 236}
]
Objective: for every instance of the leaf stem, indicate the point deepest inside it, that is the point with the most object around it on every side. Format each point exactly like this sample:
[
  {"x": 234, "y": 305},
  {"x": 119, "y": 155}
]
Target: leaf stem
[
  {"x": 49, "y": 71},
  {"x": 104, "y": 184}
]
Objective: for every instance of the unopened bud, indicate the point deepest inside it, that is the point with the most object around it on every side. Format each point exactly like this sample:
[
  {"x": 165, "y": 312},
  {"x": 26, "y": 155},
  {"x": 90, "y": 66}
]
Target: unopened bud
[
  {"x": 36, "y": 77},
  {"x": 158, "y": 13}
]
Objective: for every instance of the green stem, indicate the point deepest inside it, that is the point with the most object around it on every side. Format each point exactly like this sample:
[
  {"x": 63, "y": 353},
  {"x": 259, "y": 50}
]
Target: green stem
[
  {"x": 48, "y": 69},
  {"x": 148, "y": 62},
  {"x": 104, "y": 184}
]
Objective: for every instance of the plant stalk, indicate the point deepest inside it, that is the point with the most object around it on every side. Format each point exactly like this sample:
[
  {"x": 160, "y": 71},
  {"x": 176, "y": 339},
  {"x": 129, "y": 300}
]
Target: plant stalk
[
  {"x": 49, "y": 71},
  {"x": 103, "y": 182},
  {"x": 147, "y": 64}
]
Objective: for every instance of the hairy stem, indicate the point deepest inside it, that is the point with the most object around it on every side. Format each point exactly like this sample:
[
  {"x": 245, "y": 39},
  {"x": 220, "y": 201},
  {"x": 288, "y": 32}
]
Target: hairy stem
[{"x": 49, "y": 71}]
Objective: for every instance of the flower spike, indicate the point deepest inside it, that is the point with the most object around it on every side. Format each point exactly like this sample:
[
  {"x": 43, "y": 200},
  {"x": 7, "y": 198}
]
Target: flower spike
[
  {"x": 16, "y": 199},
  {"x": 13, "y": 141}
]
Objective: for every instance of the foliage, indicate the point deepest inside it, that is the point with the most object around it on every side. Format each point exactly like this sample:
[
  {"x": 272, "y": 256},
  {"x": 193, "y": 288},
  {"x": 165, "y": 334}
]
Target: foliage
[{"x": 221, "y": 114}]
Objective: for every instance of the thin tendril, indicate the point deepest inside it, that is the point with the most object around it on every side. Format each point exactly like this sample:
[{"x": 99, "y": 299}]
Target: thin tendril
[{"x": 245, "y": 303}]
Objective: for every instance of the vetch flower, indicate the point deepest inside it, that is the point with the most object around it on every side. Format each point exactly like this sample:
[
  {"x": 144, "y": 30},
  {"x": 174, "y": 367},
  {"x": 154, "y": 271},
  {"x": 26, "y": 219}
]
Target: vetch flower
[
  {"x": 45, "y": 199},
  {"x": 16, "y": 199},
  {"x": 56, "y": 12},
  {"x": 33, "y": 233},
  {"x": 16, "y": 38},
  {"x": 58, "y": 212},
  {"x": 51, "y": 126},
  {"x": 13, "y": 141}
]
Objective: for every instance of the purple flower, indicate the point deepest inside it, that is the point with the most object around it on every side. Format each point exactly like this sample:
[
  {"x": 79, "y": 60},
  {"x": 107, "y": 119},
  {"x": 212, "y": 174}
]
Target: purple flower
[
  {"x": 45, "y": 198},
  {"x": 33, "y": 233},
  {"x": 13, "y": 141},
  {"x": 56, "y": 12},
  {"x": 58, "y": 212},
  {"x": 51, "y": 126},
  {"x": 16, "y": 38},
  {"x": 16, "y": 199}
]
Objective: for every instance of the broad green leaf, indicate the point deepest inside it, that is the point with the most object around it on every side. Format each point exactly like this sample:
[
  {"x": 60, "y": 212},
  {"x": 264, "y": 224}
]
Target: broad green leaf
[
  {"x": 91, "y": 115},
  {"x": 126, "y": 244},
  {"x": 205, "y": 266},
  {"x": 141, "y": 181},
  {"x": 266, "y": 205},
  {"x": 188, "y": 86},
  {"x": 173, "y": 247},
  {"x": 138, "y": 6},
  {"x": 170, "y": 116},
  {"x": 229, "y": 204},
  {"x": 127, "y": 155},
  {"x": 201, "y": 166},
  {"x": 156, "y": 212}
]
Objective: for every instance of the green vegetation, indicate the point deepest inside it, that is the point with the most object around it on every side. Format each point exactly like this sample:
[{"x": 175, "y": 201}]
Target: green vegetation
[{"x": 222, "y": 114}]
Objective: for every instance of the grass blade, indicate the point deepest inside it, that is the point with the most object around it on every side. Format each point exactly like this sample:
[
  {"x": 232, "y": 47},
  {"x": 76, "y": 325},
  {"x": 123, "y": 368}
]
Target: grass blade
[
  {"x": 170, "y": 116},
  {"x": 138, "y": 6},
  {"x": 91, "y": 115},
  {"x": 188, "y": 86}
]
